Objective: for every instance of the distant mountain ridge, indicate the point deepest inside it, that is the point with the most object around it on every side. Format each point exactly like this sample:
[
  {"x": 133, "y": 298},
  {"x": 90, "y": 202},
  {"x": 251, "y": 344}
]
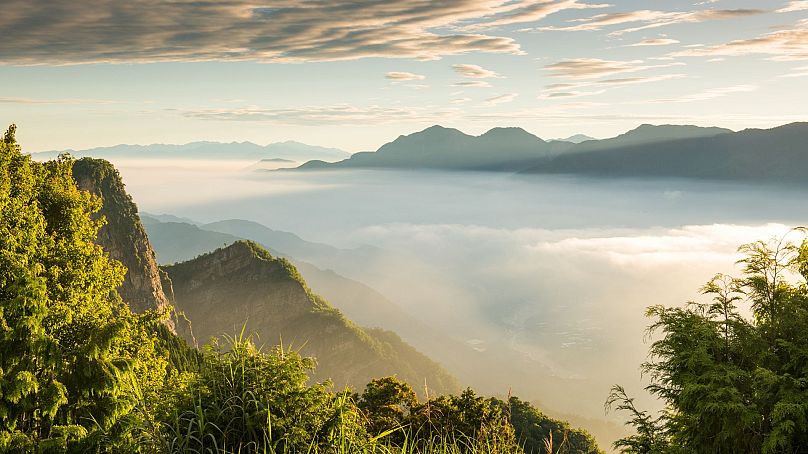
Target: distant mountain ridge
[
  {"x": 289, "y": 150},
  {"x": 767, "y": 155},
  {"x": 776, "y": 155},
  {"x": 499, "y": 149},
  {"x": 450, "y": 149}
]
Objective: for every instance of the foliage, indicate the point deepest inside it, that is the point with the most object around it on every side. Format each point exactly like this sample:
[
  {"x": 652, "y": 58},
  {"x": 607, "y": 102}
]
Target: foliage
[
  {"x": 80, "y": 372},
  {"x": 731, "y": 383},
  {"x": 69, "y": 347}
]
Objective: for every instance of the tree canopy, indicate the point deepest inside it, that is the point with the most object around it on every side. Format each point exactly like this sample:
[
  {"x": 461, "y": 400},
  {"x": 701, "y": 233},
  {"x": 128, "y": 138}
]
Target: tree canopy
[{"x": 732, "y": 379}]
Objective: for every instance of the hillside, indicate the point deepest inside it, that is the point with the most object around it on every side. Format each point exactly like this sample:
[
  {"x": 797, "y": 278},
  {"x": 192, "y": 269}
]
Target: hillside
[
  {"x": 766, "y": 155},
  {"x": 222, "y": 290}
]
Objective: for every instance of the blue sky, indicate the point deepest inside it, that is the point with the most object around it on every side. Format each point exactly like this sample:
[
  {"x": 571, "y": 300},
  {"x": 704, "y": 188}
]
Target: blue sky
[{"x": 356, "y": 74}]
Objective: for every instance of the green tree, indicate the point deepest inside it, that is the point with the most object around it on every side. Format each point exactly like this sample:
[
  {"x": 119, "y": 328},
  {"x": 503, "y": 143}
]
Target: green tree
[
  {"x": 385, "y": 405},
  {"x": 533, "y": 429},
  {"x": 69, "y": 348},
  {"x": 732, "y": 384}
]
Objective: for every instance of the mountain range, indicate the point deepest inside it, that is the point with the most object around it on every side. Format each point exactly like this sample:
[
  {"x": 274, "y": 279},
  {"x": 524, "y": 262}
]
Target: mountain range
[
  {"x": 768, "y": 155},
  {"x": 242, "y": 151}
]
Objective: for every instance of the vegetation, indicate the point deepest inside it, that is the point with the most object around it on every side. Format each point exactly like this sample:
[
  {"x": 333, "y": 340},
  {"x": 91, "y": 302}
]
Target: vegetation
[
  {"x": 730, "y": 382},
  {"x": 80, "y": 372}
]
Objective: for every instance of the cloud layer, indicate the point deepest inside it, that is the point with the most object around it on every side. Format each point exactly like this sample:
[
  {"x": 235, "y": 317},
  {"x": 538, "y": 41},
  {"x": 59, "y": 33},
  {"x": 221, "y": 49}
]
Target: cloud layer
[{"x": 90, "y": 31}]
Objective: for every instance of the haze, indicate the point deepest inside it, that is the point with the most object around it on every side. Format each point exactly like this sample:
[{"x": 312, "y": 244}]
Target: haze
[{"x": 551, "y": 273}]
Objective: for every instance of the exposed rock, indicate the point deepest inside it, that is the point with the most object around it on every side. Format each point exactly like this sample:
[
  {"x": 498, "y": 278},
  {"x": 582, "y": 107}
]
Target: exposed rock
[{"x": 123, "y": 236}]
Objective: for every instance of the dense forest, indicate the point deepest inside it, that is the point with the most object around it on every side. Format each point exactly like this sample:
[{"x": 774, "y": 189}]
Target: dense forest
[{"x": 81, "y": 371}]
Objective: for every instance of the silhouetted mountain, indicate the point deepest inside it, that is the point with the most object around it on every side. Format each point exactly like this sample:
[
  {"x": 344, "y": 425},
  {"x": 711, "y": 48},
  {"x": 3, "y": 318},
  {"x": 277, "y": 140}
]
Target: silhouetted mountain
[
  {"x": 446, "y": 148},
  {"x": 647, "y": 134},
  {"x": 244, "y": 285},
  {"x": 772, "y": 155},
  {"x": 500, "y": 149},
  {"x": 294, "y": 151},
  {"x": 577, "y": 138}
]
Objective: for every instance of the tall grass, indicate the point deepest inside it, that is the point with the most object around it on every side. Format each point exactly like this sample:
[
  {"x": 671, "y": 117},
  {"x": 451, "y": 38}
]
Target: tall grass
[{"x": 245, "y": 401}]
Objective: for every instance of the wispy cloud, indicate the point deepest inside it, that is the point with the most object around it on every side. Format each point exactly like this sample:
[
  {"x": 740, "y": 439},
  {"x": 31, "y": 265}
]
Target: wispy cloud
[
  {"x": 708, "y": 94},
  {"x": 797, "y": 72},
  {"x": 501, "y": 99},
  {"x": 789, "y": 44},
  {"x": 338, "y": 114},
  {"x": 472, "y": 84},
  {"x": 592, "y": 68},
  {"x": 531, "y": 11},
  {"x": 39, "y": 32},
  {"x": 474, "y": 71},
  {"x": 655, "y": 42},
  {"x": 400, "y": 75},
  {"x": 796, "y": 5},
  {"x": 568, "y": 90},
  {"x": 72, "y": 101},
  {"x": 648, "y": 19}
]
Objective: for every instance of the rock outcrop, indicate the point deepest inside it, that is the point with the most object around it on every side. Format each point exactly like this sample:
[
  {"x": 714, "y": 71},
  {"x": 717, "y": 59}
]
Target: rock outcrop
[{"x": 123, "y": 236}]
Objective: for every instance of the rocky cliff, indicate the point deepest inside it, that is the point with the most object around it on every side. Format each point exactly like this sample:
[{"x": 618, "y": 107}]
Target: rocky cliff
[
  {"x": 243, "y": 286},
  {"x": 123, "y": 236}
]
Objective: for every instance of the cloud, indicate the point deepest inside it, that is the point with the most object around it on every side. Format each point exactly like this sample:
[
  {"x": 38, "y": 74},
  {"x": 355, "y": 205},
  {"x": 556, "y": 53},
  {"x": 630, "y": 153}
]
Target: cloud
[
  {"x": 338, "y": 114},
  {"x": 501, "y": 99},
  {"x": 798, "y": 72},
  {"x": 521, "y": 12},
  {"x": 795, "y": 5},
  {"x": 474, "y": 71},
  {"x": 472, "y": 83},
  {"x": 784, "y": 45},
  {"x": 591, "y": 68},
  {"x": 655, "y": 42},
  {"x": 711, "y": 93},
  {"x": 72, "y": 101},
  {"x": 111, "y": 31},
  {"x": 400, "y": 75},
  {"x": 569, "y": 90},
  {"x": 569, "y": 94},
  {"x": 652, "y": 19}
]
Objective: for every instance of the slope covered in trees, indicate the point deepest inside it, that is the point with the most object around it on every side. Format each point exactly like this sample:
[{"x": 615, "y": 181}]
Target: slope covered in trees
[{"x": 244, "y": 285}]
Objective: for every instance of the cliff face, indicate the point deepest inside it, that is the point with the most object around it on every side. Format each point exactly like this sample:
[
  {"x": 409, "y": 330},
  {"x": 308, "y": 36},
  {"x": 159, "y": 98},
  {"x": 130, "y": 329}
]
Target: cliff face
[
  {"x": 123, "y": 236},
  {"x": 243, "y": 286}
]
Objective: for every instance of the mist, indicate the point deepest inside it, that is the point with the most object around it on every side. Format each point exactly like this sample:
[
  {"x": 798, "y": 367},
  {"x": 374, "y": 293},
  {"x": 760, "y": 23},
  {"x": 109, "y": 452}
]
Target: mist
[{"x": 544, "y": 280}]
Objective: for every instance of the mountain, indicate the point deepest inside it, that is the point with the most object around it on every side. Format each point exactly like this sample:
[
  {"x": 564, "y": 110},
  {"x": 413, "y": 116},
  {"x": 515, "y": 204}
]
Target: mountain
[
  {"x": 123, "y": 235},
  {"x": 244, "y": 285},
  {"x": 449, "y": 149},
  {"x": 176, "y": 242},
  {"x": 648, "y": 134},
  {"x": 500, "y": 149},
  {"x": 247, "y": 151},
  {"x": 765, "y": 155},
  {"x": 271, "y": 164},
  {"x": 577, "y": 138}
]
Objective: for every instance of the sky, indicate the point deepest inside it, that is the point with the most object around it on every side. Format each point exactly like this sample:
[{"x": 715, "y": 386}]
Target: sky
[{"x": 356, "y": 74}]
